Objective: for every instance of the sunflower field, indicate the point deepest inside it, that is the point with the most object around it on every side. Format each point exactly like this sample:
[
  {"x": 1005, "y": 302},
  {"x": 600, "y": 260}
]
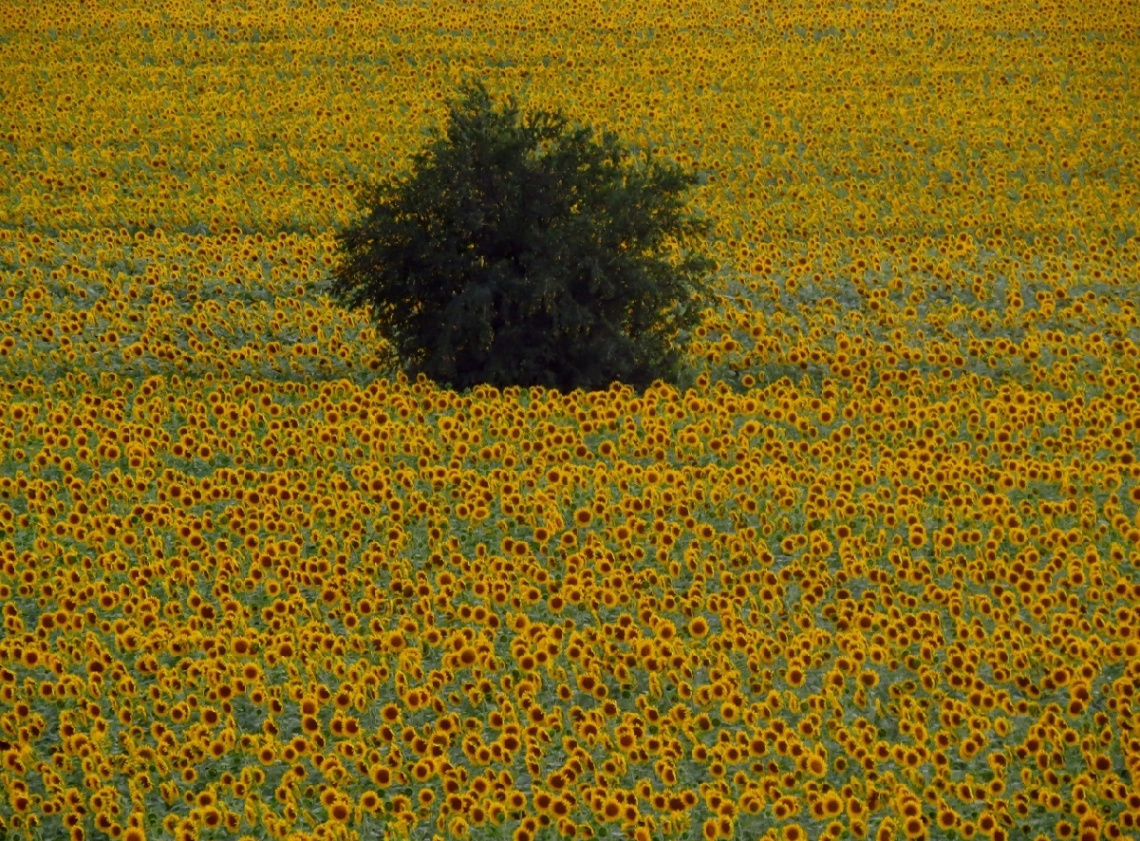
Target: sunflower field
[{"x": 874, "y": 575}]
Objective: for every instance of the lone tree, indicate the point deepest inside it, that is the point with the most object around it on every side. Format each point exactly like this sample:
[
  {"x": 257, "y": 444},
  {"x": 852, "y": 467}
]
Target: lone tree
[{"x": 525, "y": 255}]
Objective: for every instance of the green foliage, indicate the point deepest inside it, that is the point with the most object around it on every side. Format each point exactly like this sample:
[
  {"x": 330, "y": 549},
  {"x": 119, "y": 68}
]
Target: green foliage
[{"x": 527, "y": 254}]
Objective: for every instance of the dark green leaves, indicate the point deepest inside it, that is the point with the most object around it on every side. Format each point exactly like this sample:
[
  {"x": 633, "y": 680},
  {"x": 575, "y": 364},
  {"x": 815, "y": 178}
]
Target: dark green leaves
[{"x": 526, "y": 253}]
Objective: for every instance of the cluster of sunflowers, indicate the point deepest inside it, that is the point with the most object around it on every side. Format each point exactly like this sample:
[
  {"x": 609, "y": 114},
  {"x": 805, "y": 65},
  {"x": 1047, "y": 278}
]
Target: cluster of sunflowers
[{"x": 875, "y": 575}]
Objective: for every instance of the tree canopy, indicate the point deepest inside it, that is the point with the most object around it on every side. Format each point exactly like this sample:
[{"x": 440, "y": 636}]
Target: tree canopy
[{"x": 526, "y": 253}]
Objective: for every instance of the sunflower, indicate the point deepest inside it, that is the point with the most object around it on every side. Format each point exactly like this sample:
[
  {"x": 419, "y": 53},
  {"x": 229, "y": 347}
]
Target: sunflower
[
  {"x": 914, "y": 828},
  {"x": 610, "y": 810}
]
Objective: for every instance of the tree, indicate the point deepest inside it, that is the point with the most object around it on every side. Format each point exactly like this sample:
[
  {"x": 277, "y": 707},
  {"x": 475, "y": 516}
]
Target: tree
[{"x": 525, "y": 254}]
